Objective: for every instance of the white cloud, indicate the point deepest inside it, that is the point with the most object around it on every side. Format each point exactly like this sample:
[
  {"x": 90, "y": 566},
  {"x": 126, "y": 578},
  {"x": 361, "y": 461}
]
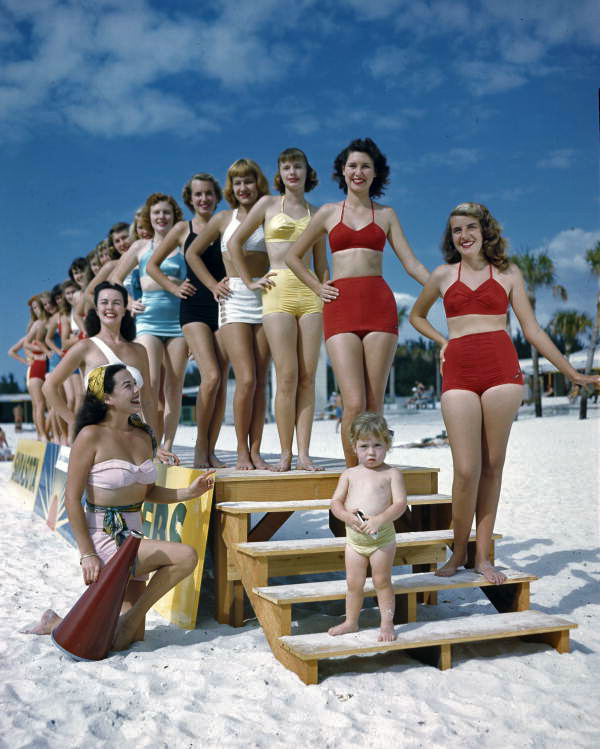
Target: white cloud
[
  {"x": 568, "y": 249},
  {"x": 561, "y": 158},
  {"x": 455, "y": 157},
  {"x": 490, "y": 77}
]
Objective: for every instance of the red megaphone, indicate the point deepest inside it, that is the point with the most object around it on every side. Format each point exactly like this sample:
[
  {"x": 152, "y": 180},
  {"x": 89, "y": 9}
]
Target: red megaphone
[{"x": 87, "y": 631}]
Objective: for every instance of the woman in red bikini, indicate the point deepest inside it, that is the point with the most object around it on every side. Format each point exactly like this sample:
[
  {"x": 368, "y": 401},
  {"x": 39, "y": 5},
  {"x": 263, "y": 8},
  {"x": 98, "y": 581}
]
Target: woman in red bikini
[
  {"x": 360, "y": 318},
  {"x": 482, "y": 382}
]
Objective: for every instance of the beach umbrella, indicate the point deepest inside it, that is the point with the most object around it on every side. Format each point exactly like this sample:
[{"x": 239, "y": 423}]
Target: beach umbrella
[{"x": 87, "y": 631}]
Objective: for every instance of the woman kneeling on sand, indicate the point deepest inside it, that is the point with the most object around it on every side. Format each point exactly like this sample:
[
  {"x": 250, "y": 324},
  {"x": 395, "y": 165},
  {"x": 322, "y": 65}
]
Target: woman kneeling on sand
[{"x": 111, "y": 459}]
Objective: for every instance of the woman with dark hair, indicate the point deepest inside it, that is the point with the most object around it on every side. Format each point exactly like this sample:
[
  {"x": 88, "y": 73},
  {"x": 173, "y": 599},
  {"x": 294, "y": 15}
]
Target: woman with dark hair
[
  {"x": 158, "y": 328},
  {"x": 240, "y": 310},
  {"x": 360, "y": 318},
  {"x": 482, "y": 382},
  {"x": 53, "y": 301},
  {"x": 111, "y": 459},
  {"x": 111, "y": 331},
  {"x": 292, "y": 317},
  {"x": 118, "y": 243},
  {"x": 199, "y": 312}
]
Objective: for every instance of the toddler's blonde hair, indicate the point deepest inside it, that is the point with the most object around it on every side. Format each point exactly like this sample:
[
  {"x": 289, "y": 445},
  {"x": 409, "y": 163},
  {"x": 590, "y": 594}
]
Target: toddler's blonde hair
[{"x": 370, "y": 424}]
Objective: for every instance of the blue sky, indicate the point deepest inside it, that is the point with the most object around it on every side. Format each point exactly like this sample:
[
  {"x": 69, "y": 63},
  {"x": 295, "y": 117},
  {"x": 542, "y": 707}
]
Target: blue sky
[{"x": 102, "y": 103}]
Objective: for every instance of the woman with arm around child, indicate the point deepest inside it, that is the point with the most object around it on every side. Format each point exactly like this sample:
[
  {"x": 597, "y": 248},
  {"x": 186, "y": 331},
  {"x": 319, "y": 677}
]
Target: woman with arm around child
[
  {"x": 292, "y": 313},
  {"x": 360, "y": 317},
  {"x": 482, "y": 386}
]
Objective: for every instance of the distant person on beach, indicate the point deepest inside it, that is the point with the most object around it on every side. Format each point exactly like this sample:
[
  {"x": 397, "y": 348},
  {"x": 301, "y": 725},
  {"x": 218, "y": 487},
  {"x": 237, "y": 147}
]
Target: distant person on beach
[
  {"x": 199, "y": 312},
  {"x": 368, "y": 498},
  {"x": 5, "y": 451},
  {"x": 360, "y": 315},
  {"x": 18, "y": 417},
  {"x": 241, "y": 331},
  {"x": 292, "y": 313},
  {"x": 111, "y": 458},
  {"x": 482, "y": 381}
]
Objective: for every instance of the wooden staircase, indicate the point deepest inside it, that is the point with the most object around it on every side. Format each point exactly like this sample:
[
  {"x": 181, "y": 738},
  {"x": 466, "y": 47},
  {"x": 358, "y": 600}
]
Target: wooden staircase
[{"x": 254, "y": 562}]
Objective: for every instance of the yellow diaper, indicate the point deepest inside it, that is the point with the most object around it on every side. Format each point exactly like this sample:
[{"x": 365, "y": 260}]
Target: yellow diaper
[{"x": 365, "y": 544}]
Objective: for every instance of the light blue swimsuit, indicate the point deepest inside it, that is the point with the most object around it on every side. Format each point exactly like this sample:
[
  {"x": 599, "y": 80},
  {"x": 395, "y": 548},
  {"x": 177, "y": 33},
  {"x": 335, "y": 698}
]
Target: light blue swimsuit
[{"x": 160, "y": 317}]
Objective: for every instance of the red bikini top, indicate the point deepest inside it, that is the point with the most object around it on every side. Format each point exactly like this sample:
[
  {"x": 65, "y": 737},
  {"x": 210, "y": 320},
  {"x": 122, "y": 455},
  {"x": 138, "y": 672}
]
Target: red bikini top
[
  {"x": 371, "y": 236},
  {"x": 489, "y": 298}
]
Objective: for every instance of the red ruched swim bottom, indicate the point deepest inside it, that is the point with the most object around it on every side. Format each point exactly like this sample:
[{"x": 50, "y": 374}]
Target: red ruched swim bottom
[
  {"x": 481, "y": 361},
  {"x": 365, "y": 304}
]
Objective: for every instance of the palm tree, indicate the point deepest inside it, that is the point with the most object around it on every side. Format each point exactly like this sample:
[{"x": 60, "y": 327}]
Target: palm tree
[
  {"x": 592, "y": 257},
  {"x": 569, "y": 324},
  {"x": 402, "y": 315},
  {"x": 538, "y": 272}
]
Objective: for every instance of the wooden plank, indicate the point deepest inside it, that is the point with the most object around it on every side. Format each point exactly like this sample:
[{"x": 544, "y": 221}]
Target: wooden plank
[
  {"x": 475, "y": 628},
  {"x": 335, "y": 590},
  {"x": 309, "y": 505},
  {"x": 266, "y": 528},
  {"x": 319, "y": 545}
]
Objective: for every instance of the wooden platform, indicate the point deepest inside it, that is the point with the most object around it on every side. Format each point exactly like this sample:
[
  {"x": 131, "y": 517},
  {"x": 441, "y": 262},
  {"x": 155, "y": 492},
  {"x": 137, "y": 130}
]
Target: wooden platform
[
  {"x": 428, "y": 641},
  {"x": 247, "y": 489}
]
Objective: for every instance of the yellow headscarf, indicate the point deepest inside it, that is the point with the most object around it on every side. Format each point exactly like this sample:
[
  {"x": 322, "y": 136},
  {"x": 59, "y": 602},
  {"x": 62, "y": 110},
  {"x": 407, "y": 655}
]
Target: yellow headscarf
[{"x": 96, "y": 381}]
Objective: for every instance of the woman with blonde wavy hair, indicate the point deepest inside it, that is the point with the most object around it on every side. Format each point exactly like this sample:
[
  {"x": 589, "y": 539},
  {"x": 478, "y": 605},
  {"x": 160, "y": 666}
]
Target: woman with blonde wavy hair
[{"x": 240, "y": 309}]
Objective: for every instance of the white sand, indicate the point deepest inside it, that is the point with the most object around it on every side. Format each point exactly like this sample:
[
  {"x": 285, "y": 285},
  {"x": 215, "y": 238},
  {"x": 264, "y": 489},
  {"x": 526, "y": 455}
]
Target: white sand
[{"x": 220, "y": 687}]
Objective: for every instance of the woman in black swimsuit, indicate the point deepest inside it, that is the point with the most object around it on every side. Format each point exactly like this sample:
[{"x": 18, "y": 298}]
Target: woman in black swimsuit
[{"x": 199, "y": 313}]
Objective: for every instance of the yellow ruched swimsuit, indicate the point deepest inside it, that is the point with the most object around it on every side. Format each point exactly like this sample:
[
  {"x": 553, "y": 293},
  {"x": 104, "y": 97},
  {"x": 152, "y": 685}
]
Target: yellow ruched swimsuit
[{"x": 289, "y": 294}]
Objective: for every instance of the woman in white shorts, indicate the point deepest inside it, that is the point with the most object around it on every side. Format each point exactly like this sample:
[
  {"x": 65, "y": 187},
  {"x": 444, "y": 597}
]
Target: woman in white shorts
[{"x": 240, "y": 309}]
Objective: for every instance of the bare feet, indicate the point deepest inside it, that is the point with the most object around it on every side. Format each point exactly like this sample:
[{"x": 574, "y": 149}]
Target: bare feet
[
  {"x": 125, "y": 634},
  {"x": 214, "y": 462},
  {"x": 490, "y": 573},
  {"x": 342, "y": 629},
  {"x": 306, "y": 464},
  {"x": 259, "y": 463},
  {"x": 244, "y": 463},
  {"x": 386, "y": 632},
  {"x": 49, "y": 621},
  {"x": 451, "y": 567},
  {"x": 284, "y": 464}
]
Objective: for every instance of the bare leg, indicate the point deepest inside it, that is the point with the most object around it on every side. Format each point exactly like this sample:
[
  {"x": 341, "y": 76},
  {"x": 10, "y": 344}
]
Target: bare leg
[
  {"x": 39, "y": 406},
  {"x": 381, "y": 566},
  {"x": 309, "y": 347},
  {"x": 201, "y": 342},
  {"x": 499, "y": 406},
  {"x": 262, "y": 357},
  {"x": 380, "y": 349},
  {"x": 238, "y": 341},
  {"x": 461, "y": 410},
  {"x": 347, "y": 358},
  {"x": 155, "y": 350},
  {"x": 356, "y": 574},
  {"x": 282, "y": 334},
  {"x": 219, "y": 411},
  {"x": 175, "y": 359},
  {"x": 172, "y": 562},
  {"x": 135, "y": 588}
]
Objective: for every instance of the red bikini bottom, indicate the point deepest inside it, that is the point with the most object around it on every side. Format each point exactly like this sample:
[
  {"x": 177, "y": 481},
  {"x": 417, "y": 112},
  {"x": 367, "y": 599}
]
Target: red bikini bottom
[
  {"x": 37, "y": 369},
  {"x": 365, "y": 304},
  {"x": 481, "y": 361}
]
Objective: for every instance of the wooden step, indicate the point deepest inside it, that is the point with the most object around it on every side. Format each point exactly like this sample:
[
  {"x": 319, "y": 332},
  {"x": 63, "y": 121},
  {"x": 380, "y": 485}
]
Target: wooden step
[
  {"x": 308, "y": 505},
  {"x": 311, "y": 546},
  {"x": 421, "y": 582},
  {"x": 430, "y": 641}
]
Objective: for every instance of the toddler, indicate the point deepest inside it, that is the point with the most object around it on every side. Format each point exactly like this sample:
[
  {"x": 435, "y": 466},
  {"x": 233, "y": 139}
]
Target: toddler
[{"x": 368, "y": 498}]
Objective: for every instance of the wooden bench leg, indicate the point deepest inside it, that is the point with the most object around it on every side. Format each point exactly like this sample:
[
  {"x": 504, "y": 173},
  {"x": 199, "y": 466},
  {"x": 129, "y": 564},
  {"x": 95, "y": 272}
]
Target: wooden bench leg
[
  {"x": 306, "y": 671},
  {"x": 406, "y": 608},
  {"x": 438, "y": 656},
  {"x": 508, "y": 597},
  {"x": 558, "y": 640},
  {"x": 230, "y": 593}
]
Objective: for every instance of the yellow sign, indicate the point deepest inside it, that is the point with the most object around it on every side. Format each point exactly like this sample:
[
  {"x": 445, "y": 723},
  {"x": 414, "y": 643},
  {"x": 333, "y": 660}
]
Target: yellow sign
[
  {"x": 182, "y": 522},
  {"x": 27, "y": 468}
]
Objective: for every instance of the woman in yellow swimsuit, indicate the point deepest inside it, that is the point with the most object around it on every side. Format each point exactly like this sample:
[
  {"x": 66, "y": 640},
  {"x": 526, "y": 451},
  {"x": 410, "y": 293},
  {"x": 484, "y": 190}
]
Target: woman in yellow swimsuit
[{"x": 292, "y": 313}]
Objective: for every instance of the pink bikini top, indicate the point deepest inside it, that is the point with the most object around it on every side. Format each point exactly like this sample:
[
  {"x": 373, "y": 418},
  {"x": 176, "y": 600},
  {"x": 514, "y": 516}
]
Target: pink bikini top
[
  {"x": 116, "y": 474},
  {"x": 371, "y": 236},
  {"x": 489, "y": 298}
]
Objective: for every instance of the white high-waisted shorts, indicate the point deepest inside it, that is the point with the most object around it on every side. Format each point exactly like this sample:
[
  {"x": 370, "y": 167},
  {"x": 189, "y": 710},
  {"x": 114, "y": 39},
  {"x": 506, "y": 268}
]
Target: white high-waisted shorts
[{"x": 242, "y": 306}]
